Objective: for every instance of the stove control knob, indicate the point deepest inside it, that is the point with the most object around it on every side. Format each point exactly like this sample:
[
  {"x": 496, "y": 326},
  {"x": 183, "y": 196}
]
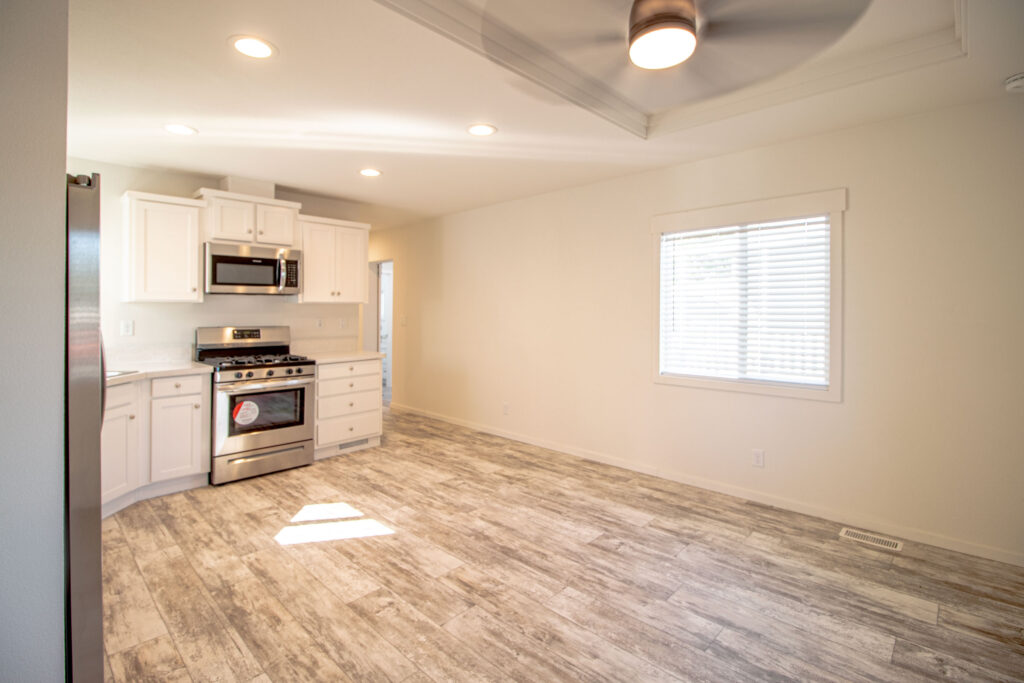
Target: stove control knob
[
  {"x": 249, "y": 374},
  {"x": 289, "y": 371},
  {"x": 238, "y": 375},
  {"x": 270, "y": 373},
  {"x": 298, "y": 371}
]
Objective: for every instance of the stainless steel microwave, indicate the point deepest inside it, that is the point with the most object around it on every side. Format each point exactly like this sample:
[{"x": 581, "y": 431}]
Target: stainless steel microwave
[{"x": 249, "y": 269}]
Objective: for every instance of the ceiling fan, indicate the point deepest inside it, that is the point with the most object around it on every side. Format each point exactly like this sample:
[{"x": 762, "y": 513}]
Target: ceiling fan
[
  {"x": 726, "y": 44},
  {"x": 665, "y": 33}
]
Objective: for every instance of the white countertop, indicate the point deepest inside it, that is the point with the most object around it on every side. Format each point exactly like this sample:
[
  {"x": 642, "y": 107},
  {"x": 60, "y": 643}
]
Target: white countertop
[
  {"x": 152, "y": 370},
  {"x": 344, "y": 356}
]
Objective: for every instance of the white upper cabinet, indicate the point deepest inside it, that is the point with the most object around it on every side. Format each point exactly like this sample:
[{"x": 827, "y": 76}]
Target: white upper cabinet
[
  {"x": 231, "y": 217},
  {"x": 161, "y": 248},
  {"x": 334, "y": 259}
]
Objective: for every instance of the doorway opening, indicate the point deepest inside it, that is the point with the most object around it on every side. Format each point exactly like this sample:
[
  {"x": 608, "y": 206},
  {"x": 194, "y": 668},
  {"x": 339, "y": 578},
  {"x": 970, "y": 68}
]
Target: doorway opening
[{"x": 379, "y": 320}]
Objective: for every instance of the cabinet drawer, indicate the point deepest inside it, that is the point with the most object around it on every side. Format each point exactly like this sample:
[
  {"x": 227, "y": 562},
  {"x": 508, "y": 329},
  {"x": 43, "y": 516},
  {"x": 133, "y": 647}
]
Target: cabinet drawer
[
  {"x": 347, "y": 404},
  {"x": 353, "y": 369},
  {"x": 178, "y": 386},
  {"x": 350, "y": 385},
  {"x": 120, "y": 395},
  {"x": 348, "y": 428}
]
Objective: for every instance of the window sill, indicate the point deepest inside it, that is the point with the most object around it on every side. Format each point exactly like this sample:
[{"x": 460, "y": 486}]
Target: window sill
[{"x": 830, "y": 394}]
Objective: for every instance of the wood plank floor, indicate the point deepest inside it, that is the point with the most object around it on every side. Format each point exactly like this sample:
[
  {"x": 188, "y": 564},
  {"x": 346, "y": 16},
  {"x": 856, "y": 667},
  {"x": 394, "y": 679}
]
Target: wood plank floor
[{"x": 511, "y": 562}]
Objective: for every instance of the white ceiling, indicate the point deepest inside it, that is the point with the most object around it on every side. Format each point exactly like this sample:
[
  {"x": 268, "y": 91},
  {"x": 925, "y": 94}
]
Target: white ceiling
[{"x": 356, "y": 83}]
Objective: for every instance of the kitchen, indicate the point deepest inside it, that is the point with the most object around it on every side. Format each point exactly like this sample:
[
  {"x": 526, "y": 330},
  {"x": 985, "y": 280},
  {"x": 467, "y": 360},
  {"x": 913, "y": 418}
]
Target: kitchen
[{"x": 484, "y": 265}]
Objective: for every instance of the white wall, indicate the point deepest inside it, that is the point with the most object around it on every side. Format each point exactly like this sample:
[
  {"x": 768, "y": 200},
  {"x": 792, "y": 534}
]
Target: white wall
[
  {"x": 166, "y": 331},
  {"x": 547, "y": 304},
  {"x": 33, "y": 83}
]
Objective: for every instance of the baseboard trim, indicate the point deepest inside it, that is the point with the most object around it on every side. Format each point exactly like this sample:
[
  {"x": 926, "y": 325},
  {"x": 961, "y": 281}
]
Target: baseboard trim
[
  {"x": 160, "y": 488},
  {"x": 842, "y": 517}
]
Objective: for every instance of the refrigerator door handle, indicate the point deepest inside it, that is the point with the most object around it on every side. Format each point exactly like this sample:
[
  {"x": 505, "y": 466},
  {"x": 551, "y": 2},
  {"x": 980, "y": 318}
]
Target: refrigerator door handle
[{"x": 103, "y": 377}]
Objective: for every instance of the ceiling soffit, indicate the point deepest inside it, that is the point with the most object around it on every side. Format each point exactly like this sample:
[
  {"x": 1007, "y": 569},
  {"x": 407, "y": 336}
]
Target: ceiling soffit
[{"x": 473, "y": 27}]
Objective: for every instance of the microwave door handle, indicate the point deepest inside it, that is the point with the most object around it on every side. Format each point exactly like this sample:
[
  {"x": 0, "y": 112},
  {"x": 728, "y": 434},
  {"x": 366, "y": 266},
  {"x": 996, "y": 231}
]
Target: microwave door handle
[{"x": 282, "y": 274}]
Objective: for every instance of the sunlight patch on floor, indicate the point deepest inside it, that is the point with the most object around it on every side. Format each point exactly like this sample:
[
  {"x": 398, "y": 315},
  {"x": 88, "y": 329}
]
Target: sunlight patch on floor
[
  {"x": 329, "y": 531},
  {"x": 321, "y": 511}
]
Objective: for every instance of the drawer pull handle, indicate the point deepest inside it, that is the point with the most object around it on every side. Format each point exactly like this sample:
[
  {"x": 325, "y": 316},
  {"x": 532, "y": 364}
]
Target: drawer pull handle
[
  {"x": 131, "y": 417},
  {"x": 177, "y": 385}
]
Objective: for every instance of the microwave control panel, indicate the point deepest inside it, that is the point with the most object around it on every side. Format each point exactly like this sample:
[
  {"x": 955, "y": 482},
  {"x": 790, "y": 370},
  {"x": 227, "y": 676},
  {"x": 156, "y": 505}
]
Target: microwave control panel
[{"x": 291, "y": 274}]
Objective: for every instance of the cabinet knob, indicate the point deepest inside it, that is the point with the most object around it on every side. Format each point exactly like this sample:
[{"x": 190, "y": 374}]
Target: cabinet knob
[
  {"x": 351, "y": 368},
  {"x": 131, "y": 417},
  {"x": 196, "y": 406},
  {"x": 351, "y": 403},
  {"x": 351, "y": 429},
  {"x": 249, "y": 231},
  {"x": 177, "y": 385},
  {"x": 261, "y": 232},
  {"x": 351, "y": 384},
  {"x": 193, "y": 289}
]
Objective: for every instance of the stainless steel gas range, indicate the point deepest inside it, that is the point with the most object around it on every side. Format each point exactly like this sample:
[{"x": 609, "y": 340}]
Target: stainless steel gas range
[{"x": 263, "y": 399}]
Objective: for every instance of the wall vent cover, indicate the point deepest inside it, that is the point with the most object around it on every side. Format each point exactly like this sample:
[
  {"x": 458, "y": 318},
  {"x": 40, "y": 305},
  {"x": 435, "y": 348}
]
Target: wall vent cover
[{"x": 869, "y": 538}]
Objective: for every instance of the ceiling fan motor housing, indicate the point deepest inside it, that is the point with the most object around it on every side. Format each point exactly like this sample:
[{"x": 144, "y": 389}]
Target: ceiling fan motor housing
[{"x": 646, "y": 14}]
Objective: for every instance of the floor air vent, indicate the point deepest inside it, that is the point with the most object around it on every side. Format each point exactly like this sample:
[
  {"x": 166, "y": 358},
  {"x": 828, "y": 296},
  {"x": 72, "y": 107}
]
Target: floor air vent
[{"x": 869, "y": 538}]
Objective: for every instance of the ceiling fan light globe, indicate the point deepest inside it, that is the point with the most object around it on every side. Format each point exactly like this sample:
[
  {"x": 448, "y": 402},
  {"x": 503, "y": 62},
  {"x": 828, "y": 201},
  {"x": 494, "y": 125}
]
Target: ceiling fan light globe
[{"x": 661, "y": 47}]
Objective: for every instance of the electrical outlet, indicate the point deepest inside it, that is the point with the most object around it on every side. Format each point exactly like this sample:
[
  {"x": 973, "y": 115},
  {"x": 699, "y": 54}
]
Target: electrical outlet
[
  {"x": 504, "y": 408},
  {"x": 127, "y": 328},
  {"x": 758, "y": 460}
]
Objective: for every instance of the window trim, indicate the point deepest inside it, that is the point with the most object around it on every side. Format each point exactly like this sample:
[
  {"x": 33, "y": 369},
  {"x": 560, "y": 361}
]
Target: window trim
[{"x": 831, "y": 202}]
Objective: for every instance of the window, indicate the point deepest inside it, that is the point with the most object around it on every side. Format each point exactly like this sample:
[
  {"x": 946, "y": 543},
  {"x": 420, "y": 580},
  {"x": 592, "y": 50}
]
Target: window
[{"x": 748, "y": 296}]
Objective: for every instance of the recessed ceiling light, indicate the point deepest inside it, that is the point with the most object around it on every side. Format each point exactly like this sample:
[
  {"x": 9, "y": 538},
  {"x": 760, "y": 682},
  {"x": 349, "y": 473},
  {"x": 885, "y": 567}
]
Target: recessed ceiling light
[
  {"x": 180, "y": 129},
  {"x": 482, "y": 129},
  {"x": 252, "y": 47},
  {"x": 370, "y": 172}
]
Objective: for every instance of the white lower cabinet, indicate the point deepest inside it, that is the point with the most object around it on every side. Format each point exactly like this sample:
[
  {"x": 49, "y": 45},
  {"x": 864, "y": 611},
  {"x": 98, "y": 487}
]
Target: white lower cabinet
[
  {"x": 176, "y": 438},
  {"x": 119, "y": 443},
  {"x": 348, "y": 403},
  {"x": 155, "y": 439}
]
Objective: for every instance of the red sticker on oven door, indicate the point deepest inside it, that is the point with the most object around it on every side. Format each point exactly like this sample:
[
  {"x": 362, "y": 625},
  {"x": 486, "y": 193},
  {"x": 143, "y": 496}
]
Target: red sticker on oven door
[{"x": 245, "y": 413}]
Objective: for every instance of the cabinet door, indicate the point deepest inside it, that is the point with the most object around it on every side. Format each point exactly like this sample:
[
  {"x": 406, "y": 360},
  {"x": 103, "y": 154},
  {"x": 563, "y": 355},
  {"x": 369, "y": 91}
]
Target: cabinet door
[
  {"x": 119, "y": 452},
  {"x": 318, "y": 263},
  {"x": 165, "y": 258},
  {"x": 176, "y": 434},
  {"x": 232, "y": 220},
  {"x": 353, "y": 253},
  {"x": 275, "y": 225}
]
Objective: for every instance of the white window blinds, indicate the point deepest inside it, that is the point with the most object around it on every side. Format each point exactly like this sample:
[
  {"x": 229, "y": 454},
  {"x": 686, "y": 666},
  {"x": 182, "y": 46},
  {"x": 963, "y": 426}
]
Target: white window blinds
[{"x": 747, "y": 302}]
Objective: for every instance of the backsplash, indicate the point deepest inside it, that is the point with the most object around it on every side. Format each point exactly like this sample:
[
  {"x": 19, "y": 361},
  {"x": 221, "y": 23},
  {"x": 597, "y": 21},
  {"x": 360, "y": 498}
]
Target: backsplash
[{"x": 165, "y": 332}]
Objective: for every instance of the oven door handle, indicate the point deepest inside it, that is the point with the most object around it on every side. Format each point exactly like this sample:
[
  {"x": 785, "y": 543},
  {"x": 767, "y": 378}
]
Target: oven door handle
[{"x": 236, "y": 388}]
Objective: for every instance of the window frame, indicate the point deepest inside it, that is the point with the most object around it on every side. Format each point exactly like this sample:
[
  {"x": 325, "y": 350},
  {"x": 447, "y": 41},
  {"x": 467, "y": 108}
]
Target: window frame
[{"x": 828, "y": 202}]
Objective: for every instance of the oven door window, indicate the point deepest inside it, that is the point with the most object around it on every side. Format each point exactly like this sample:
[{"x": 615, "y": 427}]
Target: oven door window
[
  {"x": 234, "y": 270},
  {"x": 266, "y": 410}
]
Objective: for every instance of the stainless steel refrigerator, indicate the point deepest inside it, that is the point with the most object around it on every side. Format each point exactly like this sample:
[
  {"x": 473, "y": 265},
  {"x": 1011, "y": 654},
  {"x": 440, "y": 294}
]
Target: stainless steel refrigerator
[{"x": 83, "y": 417}]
